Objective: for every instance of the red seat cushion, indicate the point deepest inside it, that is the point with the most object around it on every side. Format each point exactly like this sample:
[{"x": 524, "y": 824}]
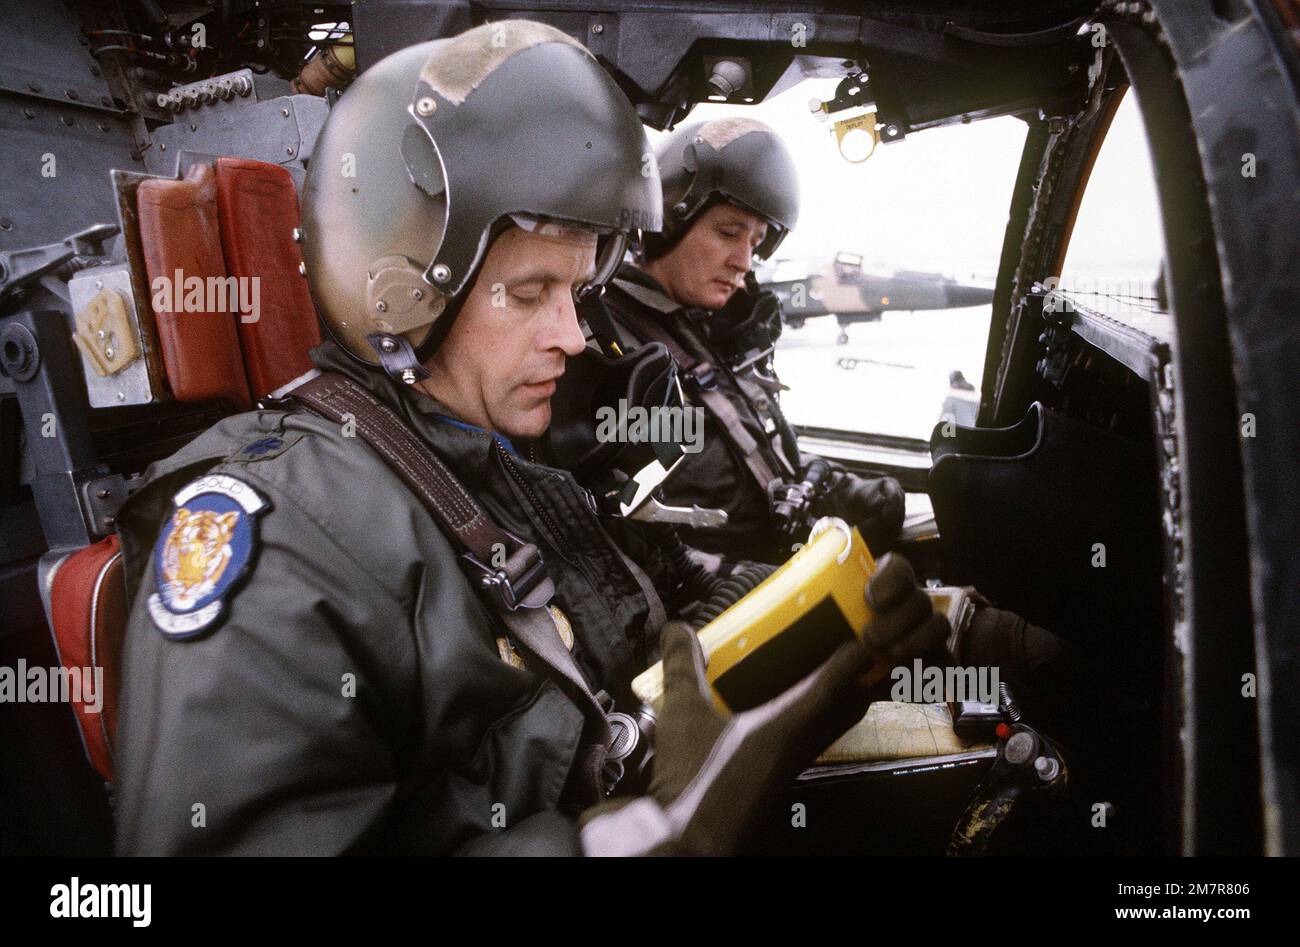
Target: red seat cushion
[
  {"x": 88, "y": 608},
  {"x": 179, "y": 233},
  {"x": 259, "y": 210}
]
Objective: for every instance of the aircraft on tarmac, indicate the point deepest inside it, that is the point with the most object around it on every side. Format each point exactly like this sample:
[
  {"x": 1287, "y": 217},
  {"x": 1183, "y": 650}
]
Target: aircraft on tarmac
[{"x": 844, "y": 290}]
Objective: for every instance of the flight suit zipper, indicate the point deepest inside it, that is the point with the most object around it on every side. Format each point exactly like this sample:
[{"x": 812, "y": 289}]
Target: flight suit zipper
[
  {"x": 557, "y": 538},
  {"x": 548, "y": 522}
]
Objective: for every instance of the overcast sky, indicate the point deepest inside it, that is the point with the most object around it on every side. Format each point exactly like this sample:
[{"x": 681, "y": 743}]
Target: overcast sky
[{"x": 939, "y": 199}]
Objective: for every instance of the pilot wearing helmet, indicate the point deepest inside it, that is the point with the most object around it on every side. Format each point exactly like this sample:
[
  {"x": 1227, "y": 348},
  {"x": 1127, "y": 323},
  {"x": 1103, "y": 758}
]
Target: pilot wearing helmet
[
  {"x": 731, "y": 193},
  {"x": 368, "y": 618}
]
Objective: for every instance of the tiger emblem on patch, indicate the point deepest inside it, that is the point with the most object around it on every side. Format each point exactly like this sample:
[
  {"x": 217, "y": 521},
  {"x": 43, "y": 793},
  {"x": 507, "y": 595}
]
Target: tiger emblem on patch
[
  {"x": 196, "y": 553},
  {"x": 203, "y": 552}
]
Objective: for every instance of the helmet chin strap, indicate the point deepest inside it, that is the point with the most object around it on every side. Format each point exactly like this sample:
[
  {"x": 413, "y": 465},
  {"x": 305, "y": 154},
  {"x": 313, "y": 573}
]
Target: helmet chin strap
[
  {"x": 397, "y": 357},
  {"x": 402, "y": 361}
]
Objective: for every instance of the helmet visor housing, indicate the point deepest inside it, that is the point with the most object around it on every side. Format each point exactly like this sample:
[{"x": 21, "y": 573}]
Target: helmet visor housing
[
  {"x": 737, "y": 159},
  {"x": 564, "y": 143},
  {"x": 433, "y": 150}
]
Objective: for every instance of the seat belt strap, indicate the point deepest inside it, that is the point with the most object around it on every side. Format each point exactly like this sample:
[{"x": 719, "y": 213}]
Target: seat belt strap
[
  {"x": 726, "y": 414},
  {"x": 656, "y": 614},
  {"x": 705, "y": 386},
  {"x": 535, "y": 630},
  {"x": 521, "y": 589}
]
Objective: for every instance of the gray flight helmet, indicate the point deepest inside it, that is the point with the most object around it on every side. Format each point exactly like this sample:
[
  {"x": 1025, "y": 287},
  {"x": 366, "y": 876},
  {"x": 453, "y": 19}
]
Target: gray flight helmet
[
  {"x": 740, "y": 160},
  {"x": 435, "y": 149}
]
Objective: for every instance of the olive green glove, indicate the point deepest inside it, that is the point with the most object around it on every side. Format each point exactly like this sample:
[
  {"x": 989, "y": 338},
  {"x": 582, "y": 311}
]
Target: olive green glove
[
  {"x": 904, "y": 623},
  {"x": 713, "y": 775}
]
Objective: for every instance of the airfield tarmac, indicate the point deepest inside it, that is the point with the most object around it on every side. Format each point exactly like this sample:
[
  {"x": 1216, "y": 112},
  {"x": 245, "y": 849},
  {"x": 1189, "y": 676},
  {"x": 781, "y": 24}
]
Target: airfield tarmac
[{"x": 901, "y": 380}]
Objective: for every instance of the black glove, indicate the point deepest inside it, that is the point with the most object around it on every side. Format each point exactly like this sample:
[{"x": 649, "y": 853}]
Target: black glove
[
  {"x": 713, "y": 775},
  {"x": 875, "y": 505},
  {"x": 751, "y": 319}
]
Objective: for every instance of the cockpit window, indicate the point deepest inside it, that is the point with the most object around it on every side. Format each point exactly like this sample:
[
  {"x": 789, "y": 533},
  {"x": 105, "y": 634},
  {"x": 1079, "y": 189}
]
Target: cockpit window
[
  {"x": 886, "y": 283},
  {"x": 1112, "y": 264}
]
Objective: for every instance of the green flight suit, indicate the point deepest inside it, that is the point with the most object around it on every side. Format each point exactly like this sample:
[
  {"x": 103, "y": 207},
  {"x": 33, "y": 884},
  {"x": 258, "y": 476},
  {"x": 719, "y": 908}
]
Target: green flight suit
[
  {"x": 719, "y": 475},
  {"x": 355, "y": 697}
]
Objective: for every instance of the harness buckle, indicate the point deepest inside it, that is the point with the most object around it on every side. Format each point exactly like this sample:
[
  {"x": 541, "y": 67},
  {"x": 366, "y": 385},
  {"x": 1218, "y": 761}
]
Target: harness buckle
[
  {"x": 522, "y": 582},
  {"x": 703, "y": 376}
]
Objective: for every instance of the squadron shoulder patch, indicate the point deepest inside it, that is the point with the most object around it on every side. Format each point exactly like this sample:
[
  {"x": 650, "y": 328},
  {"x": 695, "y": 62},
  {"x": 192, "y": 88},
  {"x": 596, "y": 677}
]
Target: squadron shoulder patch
[{"x": 203, "y": 552}]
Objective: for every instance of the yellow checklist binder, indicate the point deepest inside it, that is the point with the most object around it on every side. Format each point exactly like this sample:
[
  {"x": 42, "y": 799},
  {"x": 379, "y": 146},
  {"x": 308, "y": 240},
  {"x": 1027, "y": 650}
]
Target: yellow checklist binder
[{"x": 787, "y": 626}]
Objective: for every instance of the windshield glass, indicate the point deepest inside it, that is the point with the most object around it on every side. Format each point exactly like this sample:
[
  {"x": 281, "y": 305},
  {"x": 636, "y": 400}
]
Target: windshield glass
[
  {"x": 1113, "y": 263},
  {"x": 886, "y": 281}
]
